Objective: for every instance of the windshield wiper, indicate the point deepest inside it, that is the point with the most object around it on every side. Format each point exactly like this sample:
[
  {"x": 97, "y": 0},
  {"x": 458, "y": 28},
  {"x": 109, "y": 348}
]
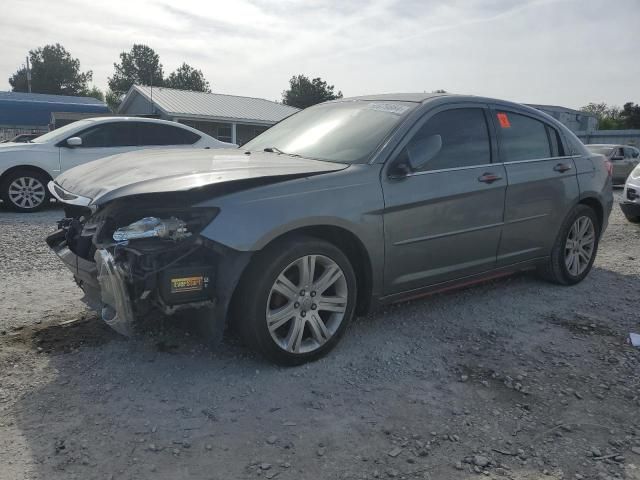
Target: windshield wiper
[
  {"x": 280, "y": 152},
  {"x": 274, "y": 150}
]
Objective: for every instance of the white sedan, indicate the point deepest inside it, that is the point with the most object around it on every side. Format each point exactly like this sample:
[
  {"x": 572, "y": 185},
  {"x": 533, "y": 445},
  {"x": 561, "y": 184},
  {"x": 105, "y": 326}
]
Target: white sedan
[{"x": 27, "y": 168}]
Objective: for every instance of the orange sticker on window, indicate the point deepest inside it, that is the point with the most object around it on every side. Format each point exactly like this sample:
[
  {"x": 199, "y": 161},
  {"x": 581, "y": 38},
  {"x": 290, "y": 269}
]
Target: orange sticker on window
[{"x": 504, "y": 120}]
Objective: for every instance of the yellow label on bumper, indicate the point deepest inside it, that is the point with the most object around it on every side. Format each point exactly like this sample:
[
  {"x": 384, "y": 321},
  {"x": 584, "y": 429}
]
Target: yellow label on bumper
[{"x": 187, "y": 284}]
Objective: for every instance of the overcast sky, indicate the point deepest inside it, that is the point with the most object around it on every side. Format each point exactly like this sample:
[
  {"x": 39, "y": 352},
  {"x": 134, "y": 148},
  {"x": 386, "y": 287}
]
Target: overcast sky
[{"x": 566, "y": 52}]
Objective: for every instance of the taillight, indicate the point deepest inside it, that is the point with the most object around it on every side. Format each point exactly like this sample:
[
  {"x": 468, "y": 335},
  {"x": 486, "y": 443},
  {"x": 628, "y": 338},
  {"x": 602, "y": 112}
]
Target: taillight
[{"x": 609, "y": 166}]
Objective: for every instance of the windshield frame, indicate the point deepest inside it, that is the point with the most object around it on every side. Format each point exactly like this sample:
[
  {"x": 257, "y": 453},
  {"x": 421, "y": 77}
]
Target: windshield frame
[
  {"x": 370, "y": 157},
  {"x": 55, "y": 136}
]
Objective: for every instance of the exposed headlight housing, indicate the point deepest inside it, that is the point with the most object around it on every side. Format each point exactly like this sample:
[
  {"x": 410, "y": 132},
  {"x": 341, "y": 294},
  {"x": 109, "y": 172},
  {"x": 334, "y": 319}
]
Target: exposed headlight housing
[
  {"x": 149, "y": 227},
  {"x": 65, "y": 196}
]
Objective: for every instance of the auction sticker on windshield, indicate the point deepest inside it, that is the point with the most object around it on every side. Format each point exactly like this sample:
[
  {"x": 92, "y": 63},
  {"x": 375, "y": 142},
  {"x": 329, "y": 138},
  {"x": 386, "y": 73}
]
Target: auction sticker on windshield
[{"x": 394, "y": 108}]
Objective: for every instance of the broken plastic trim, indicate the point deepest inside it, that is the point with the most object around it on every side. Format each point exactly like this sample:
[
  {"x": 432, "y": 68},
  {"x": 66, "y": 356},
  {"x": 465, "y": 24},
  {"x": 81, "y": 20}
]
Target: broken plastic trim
[
  {"x": 117, "y": 311},
  {"x": 64, "y": 196}
]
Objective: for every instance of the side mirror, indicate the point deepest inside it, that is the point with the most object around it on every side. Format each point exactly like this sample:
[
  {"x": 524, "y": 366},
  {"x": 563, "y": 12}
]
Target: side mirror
[
  {"x": 74, "y": 142},
  {"x": 423, "y": 150},
  {"x": 400, "y": 168}
]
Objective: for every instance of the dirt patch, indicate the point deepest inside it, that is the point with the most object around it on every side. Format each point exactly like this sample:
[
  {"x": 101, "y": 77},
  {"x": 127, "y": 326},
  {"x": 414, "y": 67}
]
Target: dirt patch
[
  {"x": 584, "y": 324},
  {"x": 513, "y": 379},
  {"x": 64, "y": 336}
]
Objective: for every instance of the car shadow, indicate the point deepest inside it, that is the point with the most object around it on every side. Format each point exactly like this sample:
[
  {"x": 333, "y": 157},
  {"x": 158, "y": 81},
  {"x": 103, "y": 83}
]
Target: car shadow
[{"x": 164, "y": 405}]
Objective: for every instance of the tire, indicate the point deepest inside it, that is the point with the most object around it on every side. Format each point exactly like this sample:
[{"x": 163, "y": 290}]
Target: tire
[
  {"x": 560, "y": 268},
  {"x": 300, "y": 309},
  {"x": 632, "y": 218},
  {"x": 25, "y": 191}
]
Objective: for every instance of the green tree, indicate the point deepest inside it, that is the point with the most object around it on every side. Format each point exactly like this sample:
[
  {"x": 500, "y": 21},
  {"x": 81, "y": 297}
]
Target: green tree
[
  {"x": 113, "y": 100},
  {"x": 630, "y": 115},
  {"x": 608, "y": 116},
  {"x": 140, "y": 66},
  {"x": 185, "y": 77},
  {"x": 95, "y": 92},
  {"x": 53, "y": 70},
  {"x": 303, "y": 93}
]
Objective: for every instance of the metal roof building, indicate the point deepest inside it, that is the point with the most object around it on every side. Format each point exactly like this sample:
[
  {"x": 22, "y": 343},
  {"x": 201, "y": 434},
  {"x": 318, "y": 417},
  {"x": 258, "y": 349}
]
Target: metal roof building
[
  {"x": 575, "y": 120},
  {"x": 32, "y": 111},
  {"x": 229, "y": 118}
]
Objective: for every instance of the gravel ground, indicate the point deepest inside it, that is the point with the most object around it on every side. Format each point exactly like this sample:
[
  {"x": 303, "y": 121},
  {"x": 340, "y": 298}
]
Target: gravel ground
[{"x": 515, "y": 378}]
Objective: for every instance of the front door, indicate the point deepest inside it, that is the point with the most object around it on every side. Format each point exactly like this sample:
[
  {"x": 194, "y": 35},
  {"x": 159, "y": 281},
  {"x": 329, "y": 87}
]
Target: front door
[
  {"x": 443, "y": 219},
  {"x": 98, "y": 142}
]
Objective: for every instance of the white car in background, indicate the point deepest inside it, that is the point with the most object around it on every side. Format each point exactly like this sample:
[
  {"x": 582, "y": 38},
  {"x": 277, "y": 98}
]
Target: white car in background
[
  {"x": 630, "y": 203},
  {"x": 27, "y": 168}
]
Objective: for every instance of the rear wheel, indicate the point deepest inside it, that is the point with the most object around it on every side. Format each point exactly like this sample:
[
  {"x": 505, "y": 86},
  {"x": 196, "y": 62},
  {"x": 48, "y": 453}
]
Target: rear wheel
[
  {"x": 296, "y": 300},
  {"x": 25, "y": 191},
  {"x": 575, "y": 248}
]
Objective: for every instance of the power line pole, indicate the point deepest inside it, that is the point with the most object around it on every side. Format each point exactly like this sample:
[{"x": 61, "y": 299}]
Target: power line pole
[
  {"x": 28, "y": 76},
  {"x": 151, "y": 84}
]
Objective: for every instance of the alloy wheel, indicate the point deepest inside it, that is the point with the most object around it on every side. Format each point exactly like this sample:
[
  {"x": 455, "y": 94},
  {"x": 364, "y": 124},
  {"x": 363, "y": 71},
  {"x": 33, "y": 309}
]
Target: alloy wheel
[
  {"x": 579, "y": 246},
  {"x": 307, "y": 303},
  {"x": 27, "y": 192}
]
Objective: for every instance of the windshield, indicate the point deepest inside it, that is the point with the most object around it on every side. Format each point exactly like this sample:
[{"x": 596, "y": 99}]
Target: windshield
[
  {"x": 602, "y": 150},
  {"x": 60, "y": 133},
  {"x": 347, "y": 132}
]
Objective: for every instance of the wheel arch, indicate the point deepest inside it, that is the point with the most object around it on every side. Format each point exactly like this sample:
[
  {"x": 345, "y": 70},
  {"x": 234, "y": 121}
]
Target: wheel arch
[
  {"x": 352, "y": 247},
  {"x": 597, "y": 206},
  {"x": 27, "y": 168}
]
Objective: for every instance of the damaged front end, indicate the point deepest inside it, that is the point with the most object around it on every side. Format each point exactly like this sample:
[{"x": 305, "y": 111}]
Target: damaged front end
[{"x": 134, "y": 258}]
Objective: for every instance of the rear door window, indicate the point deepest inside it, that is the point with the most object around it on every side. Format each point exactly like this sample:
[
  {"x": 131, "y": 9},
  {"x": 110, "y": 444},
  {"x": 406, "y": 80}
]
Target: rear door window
[
  {"x": 525, "y": 138},
  {"x": 464, "y": 134},
  {"x": 160, "y": 134}
]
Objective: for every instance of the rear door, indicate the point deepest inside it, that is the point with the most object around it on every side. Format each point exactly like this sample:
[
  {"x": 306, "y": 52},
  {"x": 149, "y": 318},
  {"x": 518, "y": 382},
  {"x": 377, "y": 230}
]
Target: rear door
[
  {"x": 443, "y": 221},
  {"x": 620, "y": 165},
  {"x": 631, "y": 158},
  {"x": 542, "y": 184}
]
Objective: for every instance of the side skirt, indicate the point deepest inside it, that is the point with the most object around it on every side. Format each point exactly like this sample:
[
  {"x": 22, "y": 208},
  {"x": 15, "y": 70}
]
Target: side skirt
[{"x": 461, "y": 282}]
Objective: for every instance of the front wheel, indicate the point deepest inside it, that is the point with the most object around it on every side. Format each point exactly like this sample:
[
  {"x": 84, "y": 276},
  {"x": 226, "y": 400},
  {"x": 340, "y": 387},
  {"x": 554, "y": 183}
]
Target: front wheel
[
  {"x": 25, "y": 191},
  {"x": 296, "y": 300},
  {"x": 575, "y": 248}
]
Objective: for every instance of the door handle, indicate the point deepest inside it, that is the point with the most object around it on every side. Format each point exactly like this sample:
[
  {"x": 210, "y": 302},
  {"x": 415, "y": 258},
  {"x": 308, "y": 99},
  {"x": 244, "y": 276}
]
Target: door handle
[
  {"x": 489, "y": 177},
  {"x": 562, "y": 167}
]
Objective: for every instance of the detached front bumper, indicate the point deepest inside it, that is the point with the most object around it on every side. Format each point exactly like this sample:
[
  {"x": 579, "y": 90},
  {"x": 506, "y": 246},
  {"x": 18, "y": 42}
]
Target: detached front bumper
[
  {"x": 202, "y": 283},
  {"x": 102, "y": 282}
]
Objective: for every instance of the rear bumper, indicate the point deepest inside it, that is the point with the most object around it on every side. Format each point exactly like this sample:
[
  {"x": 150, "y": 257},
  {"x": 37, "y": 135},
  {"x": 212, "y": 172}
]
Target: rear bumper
[{"x": 631, "y": 209}]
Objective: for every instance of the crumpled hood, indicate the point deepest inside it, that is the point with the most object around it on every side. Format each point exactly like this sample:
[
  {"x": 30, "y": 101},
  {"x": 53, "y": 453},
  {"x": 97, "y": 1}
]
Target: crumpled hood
[{"x": 156, "y": 171}]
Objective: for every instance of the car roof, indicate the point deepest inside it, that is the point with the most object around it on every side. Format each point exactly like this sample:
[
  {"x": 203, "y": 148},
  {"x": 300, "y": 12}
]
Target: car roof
[
  {"x": 399, "y": 97},
  {"x": 117, "y": 118},
  {"x": 441, "y": 98},
  {"x": 444, "y": 98}
]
